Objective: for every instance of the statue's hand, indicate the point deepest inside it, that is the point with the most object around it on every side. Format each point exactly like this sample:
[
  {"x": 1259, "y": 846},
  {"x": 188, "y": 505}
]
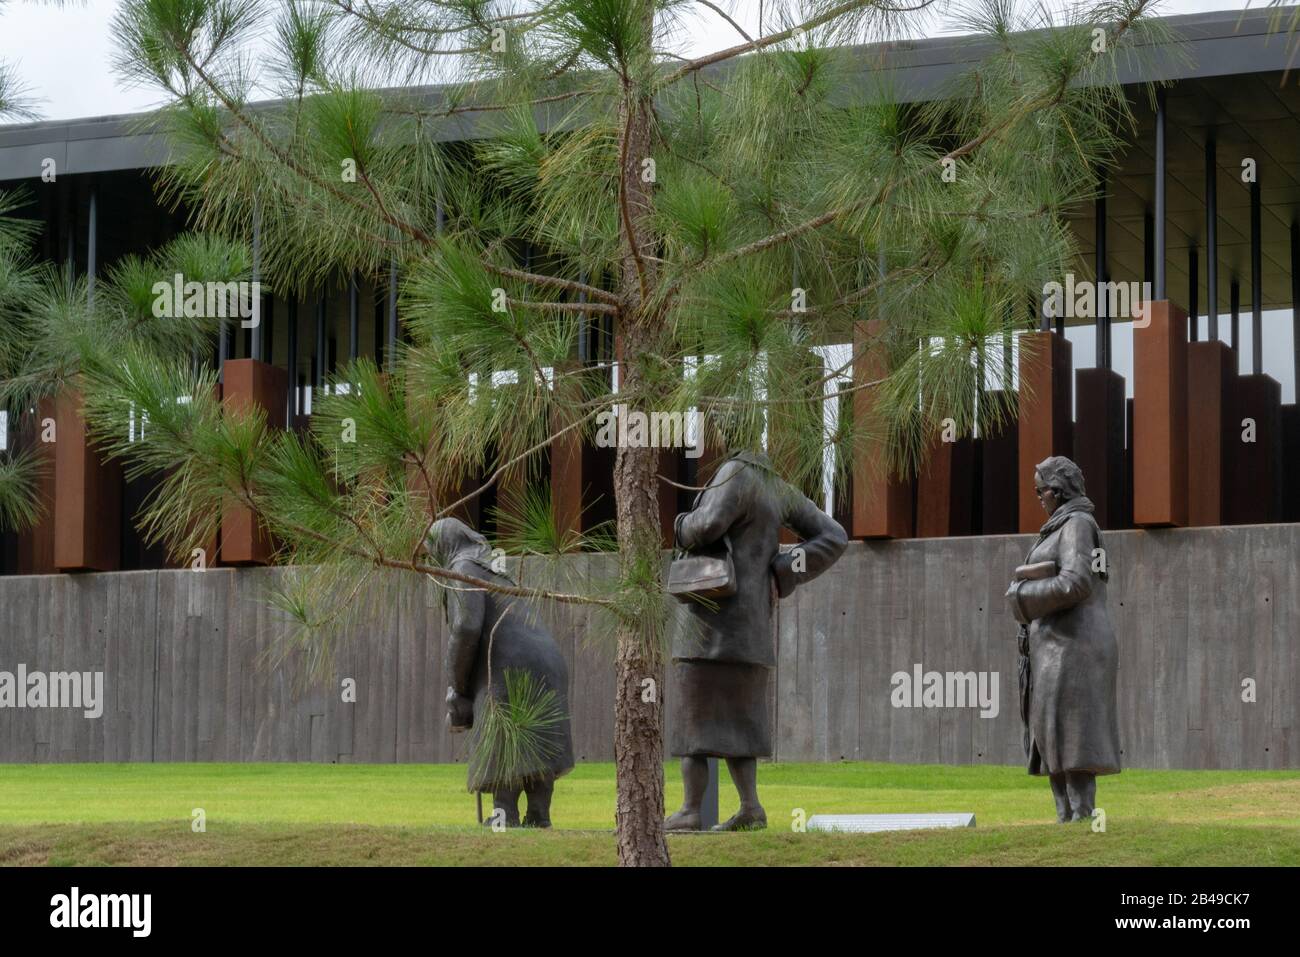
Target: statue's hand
[
  {"x": 784, "y": 577},
  {"x": 1013, "y": 602},
  {"x": 460, "y": 712}
]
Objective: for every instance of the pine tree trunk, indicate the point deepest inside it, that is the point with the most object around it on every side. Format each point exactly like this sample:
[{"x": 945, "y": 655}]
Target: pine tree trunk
[{"x": 638, "y": 717}]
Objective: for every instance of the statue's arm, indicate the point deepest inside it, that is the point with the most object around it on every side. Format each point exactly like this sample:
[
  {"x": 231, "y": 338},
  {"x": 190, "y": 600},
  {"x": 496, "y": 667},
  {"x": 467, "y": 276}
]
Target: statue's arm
[
  {"x": 466, "y": 612},
  {"x": 1072, "y": 583},
  {"x": 823, "y": 542},
  {"x": 720, "y": 506}
]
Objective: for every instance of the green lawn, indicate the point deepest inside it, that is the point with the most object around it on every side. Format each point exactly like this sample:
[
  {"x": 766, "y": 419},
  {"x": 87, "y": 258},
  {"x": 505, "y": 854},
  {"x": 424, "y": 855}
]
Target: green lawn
[{"x": 421, "y": 814}]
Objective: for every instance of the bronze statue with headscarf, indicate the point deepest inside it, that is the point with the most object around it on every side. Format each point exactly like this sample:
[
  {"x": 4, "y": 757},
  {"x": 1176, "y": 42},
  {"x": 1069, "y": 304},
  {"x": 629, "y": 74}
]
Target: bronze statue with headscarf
[{"x": 503, "y": 668}]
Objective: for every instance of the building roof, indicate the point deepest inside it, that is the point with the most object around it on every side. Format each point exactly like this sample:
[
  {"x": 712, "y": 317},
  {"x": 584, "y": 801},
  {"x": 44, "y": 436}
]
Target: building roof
[{"x": 1214, "y": 44}]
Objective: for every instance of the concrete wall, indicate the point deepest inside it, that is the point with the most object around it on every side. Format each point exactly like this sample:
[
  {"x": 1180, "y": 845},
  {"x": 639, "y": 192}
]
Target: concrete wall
[{"x": 186, "y": 679}]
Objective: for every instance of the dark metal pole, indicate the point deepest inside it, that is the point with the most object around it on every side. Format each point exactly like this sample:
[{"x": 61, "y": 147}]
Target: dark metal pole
[
  {"x": 1234, "y": 304},
  {"x": 1148, "y": 248},
  {"x": 1008, "y": 347},
  {"x": 1256, "y": 283},
  {"x": 1103, "y": 318},
  {"x": 256, "y": 351},
  {"x": 1193, "y": 291},
  {"x": 1212, "y": 238},
  {"x": 321, "y": 343},
  {"x": 354, "y": 318},
  {"x": 584, "y": 327},
  {"x": 92, "y": 245},
  {"x": 223, "y": 350},
  {"x": 68, "y": 224},
  {"x": 880, "y": 278},
  {"x": 1158, "y": 281},
  {"x": 392, "y": 315},
  {"x": 1295, "y": 301},
  {"x": 293, "y": 360}
]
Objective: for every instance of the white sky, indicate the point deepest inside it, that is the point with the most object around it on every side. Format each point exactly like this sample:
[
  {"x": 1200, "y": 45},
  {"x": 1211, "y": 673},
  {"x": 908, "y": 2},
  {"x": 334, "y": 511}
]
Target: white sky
[{"x": 63, "y": 53}]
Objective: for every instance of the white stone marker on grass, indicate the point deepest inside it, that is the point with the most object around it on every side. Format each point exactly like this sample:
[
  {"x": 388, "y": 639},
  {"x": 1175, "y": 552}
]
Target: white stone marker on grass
[{"x": 866, "y": 823}]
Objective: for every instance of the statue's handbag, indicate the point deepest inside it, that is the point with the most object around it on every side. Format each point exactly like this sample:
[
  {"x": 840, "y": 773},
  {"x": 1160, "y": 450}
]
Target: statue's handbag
[
  {"x": 1035, "y": 572},
  {"x": 693, "y": 576}
]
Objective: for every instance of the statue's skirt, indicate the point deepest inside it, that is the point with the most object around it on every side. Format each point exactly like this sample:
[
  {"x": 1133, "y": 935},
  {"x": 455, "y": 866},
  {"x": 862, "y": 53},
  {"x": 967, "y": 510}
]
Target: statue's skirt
[{"x": 720, "y": 709}]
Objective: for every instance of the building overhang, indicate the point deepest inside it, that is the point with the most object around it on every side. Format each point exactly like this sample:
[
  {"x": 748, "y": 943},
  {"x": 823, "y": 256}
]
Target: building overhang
[{"x": 1211, "y": 44}]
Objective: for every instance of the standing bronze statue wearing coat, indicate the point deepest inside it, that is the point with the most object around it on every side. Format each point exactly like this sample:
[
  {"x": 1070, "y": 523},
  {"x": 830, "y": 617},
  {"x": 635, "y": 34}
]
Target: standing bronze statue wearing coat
[
  {"x": 723, "y": 658},
  {"x": 491, "y": 636},
  {"x": 1068, "y": 689}
]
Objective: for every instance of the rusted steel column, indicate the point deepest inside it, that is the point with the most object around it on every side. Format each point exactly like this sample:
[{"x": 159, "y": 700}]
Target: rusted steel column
[
  {"x": 34, "y": 551},
  {"x": 250, "y": 383},
  {"x": 1211, "y": 374},
  {"x": 882, "y": 503},
  {"x": 1253, "y": 450},
  {"x": 1045, "y": 426},
  {"x": 1160, "y": 415},
  {"x": 1099, "y": 440},
  {"x": 87, "y": 498},
  {"x": 1000, "y": 465},
  {"x": 945, "y": 490},
  {"x": 567, "y": 461}
]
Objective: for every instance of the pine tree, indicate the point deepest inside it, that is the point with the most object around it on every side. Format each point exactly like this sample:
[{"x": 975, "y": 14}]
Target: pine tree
[{"x": 728, "y": 213}]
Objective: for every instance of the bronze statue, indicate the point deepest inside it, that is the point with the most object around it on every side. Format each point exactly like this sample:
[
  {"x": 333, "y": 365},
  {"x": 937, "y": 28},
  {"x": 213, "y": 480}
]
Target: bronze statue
[
  {"x": 498, "y": 650},
  {"x": 722, "y": 661},
  {"x": 1069, "y": 658}
]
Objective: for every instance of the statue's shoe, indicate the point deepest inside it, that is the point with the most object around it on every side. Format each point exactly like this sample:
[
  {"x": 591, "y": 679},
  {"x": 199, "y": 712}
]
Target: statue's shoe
[
  {"x": 683, "y": 821},
  {"x": 744, "y": 821}
]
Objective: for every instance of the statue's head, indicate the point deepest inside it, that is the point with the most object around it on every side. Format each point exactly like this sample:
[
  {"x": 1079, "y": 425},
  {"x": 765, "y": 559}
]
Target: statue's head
[
  {"x": 450, "y": 540},
  {"x": 734, "y": 430},
  {"x": 1056, "y": 481}
]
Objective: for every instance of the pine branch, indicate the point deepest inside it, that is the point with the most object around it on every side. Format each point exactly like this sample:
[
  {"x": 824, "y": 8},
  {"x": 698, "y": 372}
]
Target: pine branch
[
  {"x": 490, "y": 107},
  {"x": 368, "y": 16},
  {"x": 699, "y": 63},
  {"x": 287, "y": 160},
  {"x": 501, "y": 470},
  {"x": 553, "y": 282},
  {"x": 578, "y": 308},
  {"x": 1040, "y": 102},
  {"x": 246, "y": 496},
  {"x": 723, "y": 13}
]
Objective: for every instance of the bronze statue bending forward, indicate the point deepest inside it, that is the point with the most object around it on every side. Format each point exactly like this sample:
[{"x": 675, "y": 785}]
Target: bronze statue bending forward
[
  {"x": 478, "y": 621},
  {"x": 723, "y": 659},
  {"x": 1069, "y": 658}
]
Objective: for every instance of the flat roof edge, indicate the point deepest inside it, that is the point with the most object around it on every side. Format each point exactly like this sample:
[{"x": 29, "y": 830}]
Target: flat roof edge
[{"x": 1218, "y": 43}]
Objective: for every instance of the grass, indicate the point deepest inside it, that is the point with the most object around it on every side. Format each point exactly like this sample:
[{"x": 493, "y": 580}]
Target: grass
[{"x": 421, "y": 814}]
